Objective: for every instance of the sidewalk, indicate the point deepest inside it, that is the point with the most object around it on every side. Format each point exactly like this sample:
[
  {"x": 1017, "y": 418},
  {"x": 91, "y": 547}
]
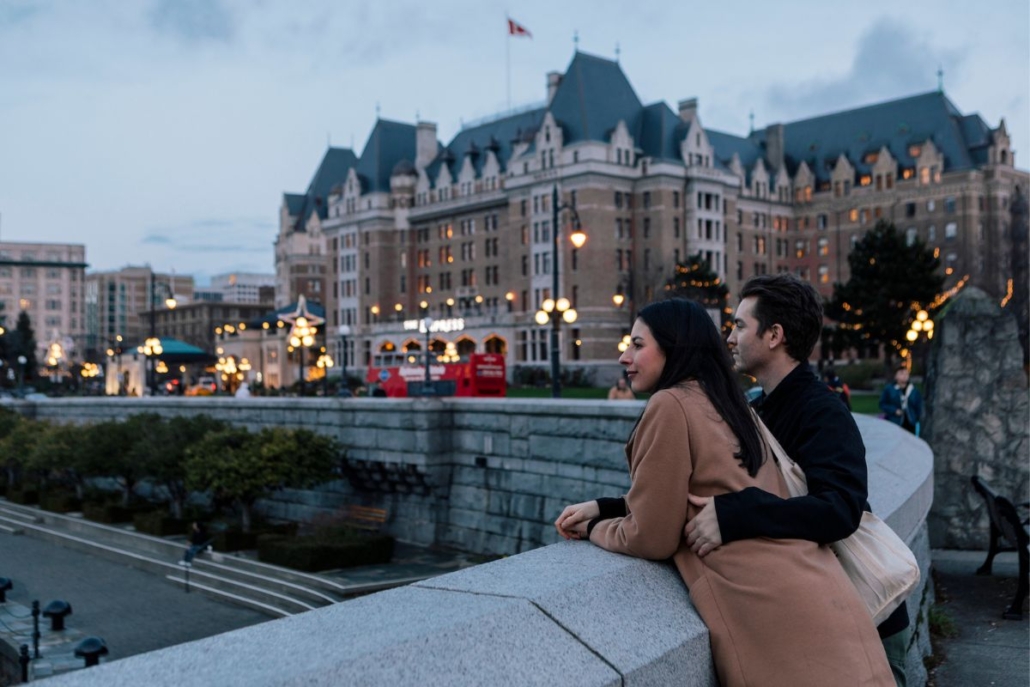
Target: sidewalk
[{"x": 986, "y": 650}]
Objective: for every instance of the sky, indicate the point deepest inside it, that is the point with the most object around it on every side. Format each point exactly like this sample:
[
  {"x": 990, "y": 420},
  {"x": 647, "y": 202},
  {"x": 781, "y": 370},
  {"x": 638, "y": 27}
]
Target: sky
[{"x": 166, "y": 131}]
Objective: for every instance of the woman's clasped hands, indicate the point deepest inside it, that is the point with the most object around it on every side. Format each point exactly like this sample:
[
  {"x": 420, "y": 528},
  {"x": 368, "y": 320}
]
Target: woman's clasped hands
[{"x": 572, "y": 523}]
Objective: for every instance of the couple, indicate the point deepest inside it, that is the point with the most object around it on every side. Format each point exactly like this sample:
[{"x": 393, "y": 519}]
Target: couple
[{"x": 779, "y": 608}]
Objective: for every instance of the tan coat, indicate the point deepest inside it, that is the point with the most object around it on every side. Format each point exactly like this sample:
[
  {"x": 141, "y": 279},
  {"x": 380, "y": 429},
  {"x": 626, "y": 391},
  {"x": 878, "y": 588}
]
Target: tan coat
[{"x": 779, "y": 611}]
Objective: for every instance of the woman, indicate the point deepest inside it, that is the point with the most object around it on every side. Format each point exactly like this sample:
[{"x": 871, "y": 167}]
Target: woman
[{"x": 779, "y": 612}]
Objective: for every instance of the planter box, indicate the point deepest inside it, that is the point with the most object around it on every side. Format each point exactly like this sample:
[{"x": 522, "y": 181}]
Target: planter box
[
  {"x": 60, "y": 502},
  {"x": 235, "y": 540},
  {"x": 25, "y": 497},
  {"x": 109, "y": 513},
  {"x": 313, "y": 554},
  {"x": 160, "y": 524}
]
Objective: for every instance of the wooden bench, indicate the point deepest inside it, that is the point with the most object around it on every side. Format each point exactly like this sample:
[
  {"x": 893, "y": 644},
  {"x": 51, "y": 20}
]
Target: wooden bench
[
  {"x": 365, "y": 518},
  {"x": 1006, "y": 525}
]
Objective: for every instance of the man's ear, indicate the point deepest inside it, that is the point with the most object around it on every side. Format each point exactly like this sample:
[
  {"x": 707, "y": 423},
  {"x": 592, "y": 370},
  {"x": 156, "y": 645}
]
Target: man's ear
[{"x": 776, "y": 336}]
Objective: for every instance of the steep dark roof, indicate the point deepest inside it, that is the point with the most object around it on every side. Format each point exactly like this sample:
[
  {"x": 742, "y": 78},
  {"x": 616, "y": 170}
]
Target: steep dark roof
[
  {"x": 331, "y": 171},
  {"x": 389, "y": 143},
  {"x": 498, "y": 135},
  {"x": 658, "y": 132},
  {"x": 294, "y": 203},
  {"x": 593, "y": 96}
]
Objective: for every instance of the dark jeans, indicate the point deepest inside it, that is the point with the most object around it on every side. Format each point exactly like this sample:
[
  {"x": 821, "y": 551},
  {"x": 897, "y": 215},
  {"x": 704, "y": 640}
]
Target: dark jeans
[{"x": 896, "y": 647}]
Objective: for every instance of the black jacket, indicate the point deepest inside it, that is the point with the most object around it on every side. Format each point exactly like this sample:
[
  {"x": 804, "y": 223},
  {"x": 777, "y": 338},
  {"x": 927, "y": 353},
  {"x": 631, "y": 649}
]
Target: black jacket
[{"x": 817, "y": 431}]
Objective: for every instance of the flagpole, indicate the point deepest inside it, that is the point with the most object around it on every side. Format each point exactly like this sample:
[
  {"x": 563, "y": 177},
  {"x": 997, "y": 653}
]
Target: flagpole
[{"x": 507, "y": 57}]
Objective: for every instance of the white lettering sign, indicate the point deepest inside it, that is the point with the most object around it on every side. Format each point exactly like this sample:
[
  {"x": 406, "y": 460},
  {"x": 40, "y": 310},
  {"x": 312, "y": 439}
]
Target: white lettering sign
[{"x": 448, "y": 325}]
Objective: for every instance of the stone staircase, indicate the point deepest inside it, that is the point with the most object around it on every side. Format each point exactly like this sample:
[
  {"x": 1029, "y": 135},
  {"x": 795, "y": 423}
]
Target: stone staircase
[{"x": 269, "y": 589}]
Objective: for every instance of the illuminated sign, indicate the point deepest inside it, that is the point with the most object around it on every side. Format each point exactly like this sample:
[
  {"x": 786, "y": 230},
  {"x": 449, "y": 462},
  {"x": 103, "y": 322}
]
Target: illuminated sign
[{"x": 447, "y": 325}]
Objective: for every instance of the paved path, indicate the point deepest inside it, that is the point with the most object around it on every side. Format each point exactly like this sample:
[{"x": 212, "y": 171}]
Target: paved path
[
  {"x": 987, "y": 650},
  {"x": 132, "y": 610}
]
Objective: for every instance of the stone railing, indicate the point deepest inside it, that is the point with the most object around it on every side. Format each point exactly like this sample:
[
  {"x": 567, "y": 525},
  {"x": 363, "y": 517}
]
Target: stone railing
[{"x": 496, "y": 474}]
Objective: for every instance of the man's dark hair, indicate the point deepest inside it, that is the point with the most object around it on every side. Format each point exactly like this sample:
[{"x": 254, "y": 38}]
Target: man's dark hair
[{"x": 793, "y": 304}]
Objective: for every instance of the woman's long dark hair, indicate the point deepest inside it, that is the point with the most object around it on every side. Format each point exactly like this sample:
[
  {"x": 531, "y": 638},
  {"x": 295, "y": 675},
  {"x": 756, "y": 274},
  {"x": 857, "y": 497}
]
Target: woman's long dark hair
[{"x": 694, "y": 350}]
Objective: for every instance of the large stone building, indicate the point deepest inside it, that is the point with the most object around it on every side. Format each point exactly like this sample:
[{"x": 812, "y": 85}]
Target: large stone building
[
  {"x": 47, "y": 281},
  {"x": 463, "y": 231},
  {"x": 118, "y": 303}
]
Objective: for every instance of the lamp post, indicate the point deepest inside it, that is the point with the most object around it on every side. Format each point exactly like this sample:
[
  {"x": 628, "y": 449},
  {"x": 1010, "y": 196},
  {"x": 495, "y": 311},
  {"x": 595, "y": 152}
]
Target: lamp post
[
  {"x": 21, "y": 374},
  {"x": 153, "y": 343},
  {"x": 921, "y": 326},
  {"x": 344, "y": 331},
  {"x": 325, "y": 362},
  {"x": 427, "y": 322},
  {"x": 557, "y": 309},
  {"x": 302, "y": 332}
]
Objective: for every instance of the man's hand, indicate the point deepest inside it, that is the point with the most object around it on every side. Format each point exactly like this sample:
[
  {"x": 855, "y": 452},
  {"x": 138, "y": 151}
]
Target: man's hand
[
  {"x": 702, "y": 532},
  {"x": 572, "y": 523}
]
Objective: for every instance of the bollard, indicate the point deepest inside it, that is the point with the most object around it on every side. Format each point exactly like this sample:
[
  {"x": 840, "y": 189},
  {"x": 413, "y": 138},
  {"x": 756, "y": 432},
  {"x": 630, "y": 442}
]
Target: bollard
[
  {"x": 57, "y": 610},
  {"x": 23, "y": 659},
  {"x": 5, "y": 586},
  {"x": 35, "y": 629},
  {"x": 91, "y": 649}
]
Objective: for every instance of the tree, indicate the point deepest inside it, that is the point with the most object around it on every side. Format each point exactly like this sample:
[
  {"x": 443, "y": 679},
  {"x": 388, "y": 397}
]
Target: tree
[
  {"x": 107, "y": 448},
  {"x": 695, "y": 280},
  {"x": 23, "y": 343},
  {"x": 161, "y": 450},
  {"x": 890, "y": 281},
  {"x": 235, "y": 464}
]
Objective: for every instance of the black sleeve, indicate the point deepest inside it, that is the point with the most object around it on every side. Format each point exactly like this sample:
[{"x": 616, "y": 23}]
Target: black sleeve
[
  {"x": 609, "y": 508},
  {"x": 829, "y": 449}
]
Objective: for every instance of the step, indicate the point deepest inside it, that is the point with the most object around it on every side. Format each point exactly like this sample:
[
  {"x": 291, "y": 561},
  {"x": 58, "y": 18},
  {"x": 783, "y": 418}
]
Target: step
[{"x": 261, "y": 598}]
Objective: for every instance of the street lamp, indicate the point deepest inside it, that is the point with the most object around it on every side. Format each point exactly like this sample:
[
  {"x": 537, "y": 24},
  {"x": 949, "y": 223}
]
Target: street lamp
[
  {"x": 557, "y": 309},
  {"x": 153, "y": 343},
  {"x": 922, "y": 325},
  {"x": 302, "y": 332},
  {"x": 325, "y": 362},
  {"x": 344, "y": 331},
  {"x": 21, "y": 374},
  {"x": 427, "y": 322}
]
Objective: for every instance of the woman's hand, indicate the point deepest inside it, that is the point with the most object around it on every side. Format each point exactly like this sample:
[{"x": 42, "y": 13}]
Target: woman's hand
[{"x": 572, "y": 523}]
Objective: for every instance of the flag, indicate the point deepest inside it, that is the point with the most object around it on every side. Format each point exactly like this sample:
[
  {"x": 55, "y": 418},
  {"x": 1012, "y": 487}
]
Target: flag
[{"x": 516, "y": 29}]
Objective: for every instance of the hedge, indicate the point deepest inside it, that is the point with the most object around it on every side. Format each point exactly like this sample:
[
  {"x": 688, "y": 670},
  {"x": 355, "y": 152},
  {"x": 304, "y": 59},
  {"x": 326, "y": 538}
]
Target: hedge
[{"x": 314, "y": 554}]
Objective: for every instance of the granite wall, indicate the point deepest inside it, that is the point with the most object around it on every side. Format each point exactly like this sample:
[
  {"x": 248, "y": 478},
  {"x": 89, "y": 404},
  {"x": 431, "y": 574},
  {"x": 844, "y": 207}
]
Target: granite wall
[
  {"x": 977, "y": 417},
  {"x": 487, "y": 477}
]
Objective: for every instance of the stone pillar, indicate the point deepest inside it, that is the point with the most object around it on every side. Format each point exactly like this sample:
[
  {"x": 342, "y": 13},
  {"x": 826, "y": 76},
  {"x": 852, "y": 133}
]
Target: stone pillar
[{"x": 976, "y": 417}]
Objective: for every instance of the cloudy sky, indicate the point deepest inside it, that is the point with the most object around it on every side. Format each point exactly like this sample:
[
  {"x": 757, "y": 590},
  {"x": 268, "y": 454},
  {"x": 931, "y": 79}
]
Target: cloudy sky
[{"x": 166, "y": 131}]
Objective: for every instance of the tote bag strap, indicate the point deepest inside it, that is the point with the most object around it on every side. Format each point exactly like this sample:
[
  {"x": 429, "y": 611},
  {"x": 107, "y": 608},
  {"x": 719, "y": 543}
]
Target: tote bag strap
[{"x": 792, "y": 473}]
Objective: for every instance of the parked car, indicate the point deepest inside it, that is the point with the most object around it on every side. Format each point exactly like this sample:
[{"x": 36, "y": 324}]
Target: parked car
[{"x": 205, "y": 386}]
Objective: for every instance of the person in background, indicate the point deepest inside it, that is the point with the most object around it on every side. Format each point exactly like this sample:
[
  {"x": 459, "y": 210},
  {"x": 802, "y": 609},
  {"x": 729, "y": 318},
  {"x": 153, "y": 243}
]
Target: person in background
[
  {"x": 901, "y": 402},
  {"x": 778, "y": 611},
  {"x": 199, "y": 540},
  {"x": 620, "y": 392},
  {"x": 243, "y": 391},
  {"x": 775, "y": 328},
  {"x": 837, "y": 386}
]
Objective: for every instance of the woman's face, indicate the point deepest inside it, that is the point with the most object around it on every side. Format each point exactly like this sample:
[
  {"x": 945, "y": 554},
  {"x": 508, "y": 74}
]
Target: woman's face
[{"x": 644, "y": 360}]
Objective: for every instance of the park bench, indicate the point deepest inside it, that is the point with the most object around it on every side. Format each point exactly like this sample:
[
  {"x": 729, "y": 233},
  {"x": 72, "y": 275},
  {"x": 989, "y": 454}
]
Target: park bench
[
  {"x": 365, "y": 517},
  {"x": 1006, "y": 525}
]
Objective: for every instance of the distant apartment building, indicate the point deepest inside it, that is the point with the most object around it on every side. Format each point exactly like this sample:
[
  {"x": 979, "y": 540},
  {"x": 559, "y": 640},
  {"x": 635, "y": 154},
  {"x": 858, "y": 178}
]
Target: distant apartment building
[
  {"x": 242, "y": 287},
  {"x": 47, "y": 281},
  {"x": 464, "y": 231},
  {"x": 118, "y": 303}
]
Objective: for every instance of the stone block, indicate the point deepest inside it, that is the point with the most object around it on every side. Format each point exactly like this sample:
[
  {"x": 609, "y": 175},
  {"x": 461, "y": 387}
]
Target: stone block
[{"x": 383, "y": 634}]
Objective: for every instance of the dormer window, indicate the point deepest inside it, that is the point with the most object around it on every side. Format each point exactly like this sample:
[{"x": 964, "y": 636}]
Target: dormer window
[{"x": 547, "y": 134}]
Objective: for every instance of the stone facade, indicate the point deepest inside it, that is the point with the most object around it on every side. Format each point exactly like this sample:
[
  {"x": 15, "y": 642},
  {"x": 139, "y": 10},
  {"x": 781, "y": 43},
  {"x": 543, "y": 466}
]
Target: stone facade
[{"x": 977, "y": 415}]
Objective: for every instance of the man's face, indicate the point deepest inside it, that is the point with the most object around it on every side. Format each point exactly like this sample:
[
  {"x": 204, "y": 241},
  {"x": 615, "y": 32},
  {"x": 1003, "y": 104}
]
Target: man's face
[
  {"x": 750, "y": 350},
  {"x": 901, "y": 377},
  {"x": 621, "y": 384}
]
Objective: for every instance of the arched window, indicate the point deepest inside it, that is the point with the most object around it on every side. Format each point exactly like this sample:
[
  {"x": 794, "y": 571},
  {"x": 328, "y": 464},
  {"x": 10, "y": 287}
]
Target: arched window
[{"x": 495, "y": 344}]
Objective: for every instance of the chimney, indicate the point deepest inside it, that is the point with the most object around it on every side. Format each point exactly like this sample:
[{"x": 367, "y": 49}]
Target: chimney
[
  {"x": 688, "y": 110},
  {"x": 774, "y": 145},
  {"x": 425, "y": 144},
  {"x": 553, "y": 81}
]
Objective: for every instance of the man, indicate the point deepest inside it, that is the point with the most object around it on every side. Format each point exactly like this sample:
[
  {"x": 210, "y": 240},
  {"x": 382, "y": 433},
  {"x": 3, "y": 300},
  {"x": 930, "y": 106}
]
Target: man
[
  {"x": 620, "y": 392},
  {"x": 901, "y": 402},
  {"x": 776, "y": 326}
]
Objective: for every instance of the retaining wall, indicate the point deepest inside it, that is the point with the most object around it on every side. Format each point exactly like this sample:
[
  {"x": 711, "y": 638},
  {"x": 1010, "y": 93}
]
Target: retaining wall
[{"x": 497, "y": 474}]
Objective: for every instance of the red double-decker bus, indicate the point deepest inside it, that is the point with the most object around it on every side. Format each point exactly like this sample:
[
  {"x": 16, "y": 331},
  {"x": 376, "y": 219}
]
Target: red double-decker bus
[{"x": 483, "y": 375}]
